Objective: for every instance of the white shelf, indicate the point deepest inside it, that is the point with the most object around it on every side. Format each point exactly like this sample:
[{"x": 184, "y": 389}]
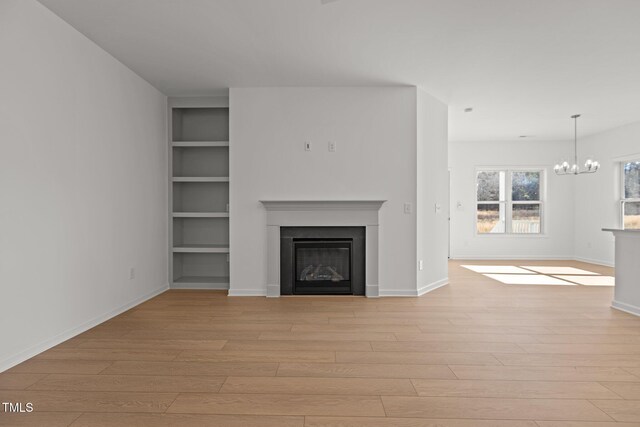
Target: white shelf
[
  {"x": 202, "y": 249},
  {"x": 199, "y": 192},
  {"x": 202, "y": 279},
  {"x": 201, "y": 282},
  {"x": 200, "y": 179},
  {"x": 200, "y": 144},
  {"x": 201, "y": 214}
]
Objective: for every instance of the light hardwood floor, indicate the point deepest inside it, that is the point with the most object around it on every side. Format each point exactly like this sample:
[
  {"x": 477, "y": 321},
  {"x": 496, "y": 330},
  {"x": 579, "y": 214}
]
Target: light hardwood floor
[{"x": 475, "y": 353}]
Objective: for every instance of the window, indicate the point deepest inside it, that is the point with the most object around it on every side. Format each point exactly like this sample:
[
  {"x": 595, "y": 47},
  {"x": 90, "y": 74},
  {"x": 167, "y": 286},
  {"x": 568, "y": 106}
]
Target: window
[
  {"x": 509, "y": 201},
  {"x": 630, "y": 196}
]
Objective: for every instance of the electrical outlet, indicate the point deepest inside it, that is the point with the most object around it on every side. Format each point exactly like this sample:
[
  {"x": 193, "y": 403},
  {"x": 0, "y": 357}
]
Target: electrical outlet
[
  {"x": 332, "y": 146},
  {"x": 407, "y": 208},
  {"x": 307, "y": 146},
  {"x": 420, "y": 265},
  {"x": 132, "y": 273}
]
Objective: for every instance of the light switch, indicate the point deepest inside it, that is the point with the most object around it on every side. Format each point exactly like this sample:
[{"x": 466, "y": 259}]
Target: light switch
[
  {"x": 420, "y": 265},
  {"x": 332, "y": 146},
  {"x": 307, "y": 146},
  {"x": 407, "y": 208}
]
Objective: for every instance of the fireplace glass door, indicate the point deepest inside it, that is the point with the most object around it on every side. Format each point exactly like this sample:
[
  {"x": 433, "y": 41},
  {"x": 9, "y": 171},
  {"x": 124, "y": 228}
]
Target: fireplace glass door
[{"x": 322, "y": 266}]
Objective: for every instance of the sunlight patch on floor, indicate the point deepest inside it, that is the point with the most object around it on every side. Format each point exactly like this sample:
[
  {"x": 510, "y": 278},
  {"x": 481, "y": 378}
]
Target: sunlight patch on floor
[
  {"x": 590, "y": 280},
  {"x": 528, "y": 279},
  {"x": 558, "y": 270},
  {"x": 501, "y": 269},
  {"x": 541, "y": 275}
]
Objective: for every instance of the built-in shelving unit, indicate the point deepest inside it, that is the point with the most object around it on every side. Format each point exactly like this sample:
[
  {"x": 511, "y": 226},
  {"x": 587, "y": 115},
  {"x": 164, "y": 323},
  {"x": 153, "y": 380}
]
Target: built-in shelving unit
[{"x": 199, "y": 189}]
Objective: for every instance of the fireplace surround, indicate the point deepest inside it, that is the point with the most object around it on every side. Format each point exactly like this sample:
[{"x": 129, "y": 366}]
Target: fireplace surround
[{"x": 322, "y": 213}]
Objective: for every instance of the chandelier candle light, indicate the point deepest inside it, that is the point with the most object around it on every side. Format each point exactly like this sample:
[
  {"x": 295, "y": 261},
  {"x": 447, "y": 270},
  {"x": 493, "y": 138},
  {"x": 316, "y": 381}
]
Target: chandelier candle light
[{"x": 565, "y": 168}]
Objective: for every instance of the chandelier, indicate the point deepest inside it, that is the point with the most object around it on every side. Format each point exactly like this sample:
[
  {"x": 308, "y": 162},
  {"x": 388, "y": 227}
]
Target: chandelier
[{"x": 565, "y": 168}]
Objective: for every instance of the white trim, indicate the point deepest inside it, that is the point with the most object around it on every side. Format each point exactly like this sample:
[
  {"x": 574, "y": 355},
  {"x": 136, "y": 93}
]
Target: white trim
[
  {"x": 433, "y": 286},
  {"x": 415, "y": 292},
  {"x": 595, "y": 261},
  {"x": 68, "y": 334},
  {"x": 248, "y": 292},
  {"x": 200, "y": 286},
  {"x": 321, "y": 205},
  {"x": 273, "y": 291},
  {"x": 627, "y": 308},
  {"x": 372, "y": 291},
  {"x": 511, "y": 257}
]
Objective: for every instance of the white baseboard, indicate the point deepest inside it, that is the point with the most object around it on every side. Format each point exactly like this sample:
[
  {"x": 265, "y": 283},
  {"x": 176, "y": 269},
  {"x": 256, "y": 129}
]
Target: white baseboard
[
  {"x": 414, "y": 292},
  {"x": 594, "y": 261},
  {"x": 247, "y": 293},
  {"x": 201, "y": 286},
  {"x": 627, "y": 308},
  {"x": 532, "y": 258},
  {"x": 371, "y": 291},
  {"x": 52, "y": 342},
  {"x": 273, "y": 291},
  {"x": 511, "y": 257},
  {"x": 433, "y": 286}
]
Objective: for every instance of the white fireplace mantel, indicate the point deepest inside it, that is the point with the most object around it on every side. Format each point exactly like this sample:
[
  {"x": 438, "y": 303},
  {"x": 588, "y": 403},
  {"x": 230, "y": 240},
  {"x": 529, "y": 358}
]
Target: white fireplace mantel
[{"x": 322, "y": 213}]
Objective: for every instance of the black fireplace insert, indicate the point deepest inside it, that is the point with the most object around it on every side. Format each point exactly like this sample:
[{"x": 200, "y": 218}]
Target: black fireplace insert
[
  {"x": 322, "y": 260},
  {"x": 322, "y": 266}
]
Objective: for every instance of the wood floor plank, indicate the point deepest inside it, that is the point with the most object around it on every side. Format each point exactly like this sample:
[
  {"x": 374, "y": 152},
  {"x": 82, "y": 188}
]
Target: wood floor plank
[
  {"x": 588, "y": 339},
  {"x": 629, "y": 390},
  {"x": 277, "y": 404},
  {"x": 192, "y": 368},
  {"x": 356, "y": 328},
  {"x": 52, "y": 366},
  {"x": 136, "y": 344},
  {"x": 467, "y": 338},
  {"x": 484, "y": 408},
  {"x": 9, "y": 381},
  {"x": 447, "y": 347},
  {"x": 190, "y": 335},
  {"x": 68, "y": 401},
  {"x": 611, "y": 360},
  {"x": 39, "y": 419},
  {"x": 186, "y": 420},
  {"x": 514, "y": 389},
  {"x": 228, "y": 326},
  {"x": 256, "y": 356},
  {"x": 328, "y": 336},
  {"x": 416, "y": 358},
  {"x": 620, "y": 410},
  {"x": 585, "y": 424},
  {"x": 542, "y": 373},
  {"x": 136, "y": 383},
  {"x": 410, "y": 422},
  {"x": 356, "y": 370},
  {"x": 581, "y": 348},
  {"x": 108, "y": 354},
  {"x": 328, "y": 386},
  {"x": 297, "y": 345}
]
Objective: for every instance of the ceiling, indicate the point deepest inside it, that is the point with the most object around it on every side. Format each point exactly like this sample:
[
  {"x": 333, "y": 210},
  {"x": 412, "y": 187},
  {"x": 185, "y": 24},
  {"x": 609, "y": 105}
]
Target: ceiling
[{"x": 524, "y": 66}]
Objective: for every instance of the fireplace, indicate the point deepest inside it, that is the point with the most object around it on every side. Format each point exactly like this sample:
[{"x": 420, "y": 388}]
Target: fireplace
[{"x": 322, "y": 260}]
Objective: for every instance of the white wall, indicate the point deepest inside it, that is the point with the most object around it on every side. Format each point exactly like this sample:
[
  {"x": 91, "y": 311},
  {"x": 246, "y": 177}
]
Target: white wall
[
  {"x": 432, "y": 190},
  {"x": 375, "y": 132},
  {"x": 597, "y": 196},
  {"x": 557, "y": 238},
  {"x": 83, "y": 183}
]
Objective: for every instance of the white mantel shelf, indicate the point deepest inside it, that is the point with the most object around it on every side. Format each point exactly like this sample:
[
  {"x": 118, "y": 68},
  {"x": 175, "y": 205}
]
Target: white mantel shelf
[
  {"x": 627, "y": 289},
  {"x": 304, "y": 205},
  {"x": 322, "y": 213},
  {"x": 620, "y": 230}
]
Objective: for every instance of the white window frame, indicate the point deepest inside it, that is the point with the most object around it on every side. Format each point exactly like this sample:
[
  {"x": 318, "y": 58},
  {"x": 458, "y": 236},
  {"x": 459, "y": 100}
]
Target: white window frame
[
  {"x": 624, "y": 199},
  {"x": 508, "y": 203}
]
